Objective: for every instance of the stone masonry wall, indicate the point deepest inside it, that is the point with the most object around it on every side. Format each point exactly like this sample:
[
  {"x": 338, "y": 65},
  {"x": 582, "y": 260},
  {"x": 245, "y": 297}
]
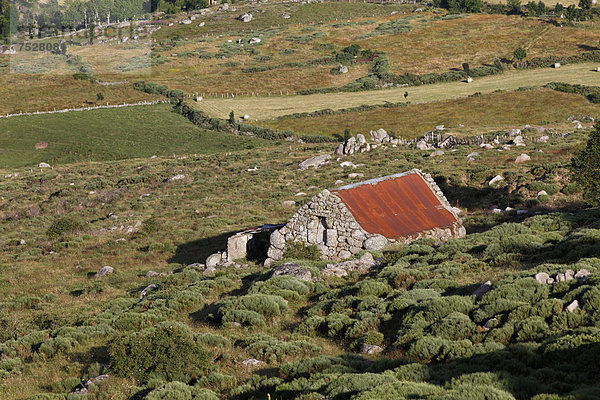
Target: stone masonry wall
[{"x": 326, "y": 222}]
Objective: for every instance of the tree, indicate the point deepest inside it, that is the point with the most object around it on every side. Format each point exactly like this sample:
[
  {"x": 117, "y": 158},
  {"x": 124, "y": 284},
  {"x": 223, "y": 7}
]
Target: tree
[
  {"x": 585, "y": 4},
  {"x": 514, "y": 7},
  {"x": 520, "y": 54},
  {"x": 405, "y": 95},
  {"x": 231, "y": 118},
  {"x": 467, "y": 68},
  {"x": 346, "y": 134},
  {"x": 91, "y": 33},
  {"x": 585, "y": 168},
  {"x": 5, "y": 14}
]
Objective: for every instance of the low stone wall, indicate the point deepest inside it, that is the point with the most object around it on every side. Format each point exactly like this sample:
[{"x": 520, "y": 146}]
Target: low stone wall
[{"x": 326, "y": 222}]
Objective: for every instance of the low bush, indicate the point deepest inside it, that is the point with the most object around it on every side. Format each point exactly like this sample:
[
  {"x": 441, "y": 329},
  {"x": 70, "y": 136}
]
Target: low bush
[
  {"x": 65, "y": 225},
  {"x": 169, "y": 351}
]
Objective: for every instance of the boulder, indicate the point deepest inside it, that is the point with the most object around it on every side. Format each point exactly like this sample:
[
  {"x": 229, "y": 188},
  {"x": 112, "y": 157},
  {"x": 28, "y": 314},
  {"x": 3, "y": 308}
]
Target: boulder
[
  {"x": 254, "y": 40},
  {"x": 213, "y": 260},
  {"x": 380, "y": 136},
  {"x": 582, "y": 274},
  {"x": 518, "y": 141},
  {"x": 375, "y": 242},
  {"x": 542, "y": 193},
  {"x": 147, "y": 289},
  {"x": 342, "y": 69},
  {"x": 339, "y": 150},
  {"x": 574, "y": 305},
  {"x": 423, "y": 145},
  {"x": 252, "y": 362},
  {"x": 370, "y": 349},
  {"x": 177, "y": 177},
  {"x": 106, "y": 270},
  {"x": 483, "y": 289},
  {"x": 522, "y": 158},
  {"x": 245, "y": 17},
  {"x": 541, "y": 277},
  {"x": 495, "y": 179},
  {"x": 294, "y": 270},
  {"x": 44, "y": 165},
  {"x": 237, "y": 246},
  {"x": 543, "y": 139},
  {"x": 569, "y": 275},
  {"x": 315, "y": 162},
  {"x": 514, "y": 132}
]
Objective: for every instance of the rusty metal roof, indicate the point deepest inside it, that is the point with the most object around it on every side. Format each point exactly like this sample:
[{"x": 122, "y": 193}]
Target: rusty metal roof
[{"x": 395, "y": 206}]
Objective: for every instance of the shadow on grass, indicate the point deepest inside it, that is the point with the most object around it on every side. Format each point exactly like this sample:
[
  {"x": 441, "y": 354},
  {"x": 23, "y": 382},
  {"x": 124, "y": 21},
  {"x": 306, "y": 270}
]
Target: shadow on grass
[{"x": 199, "y": 250}]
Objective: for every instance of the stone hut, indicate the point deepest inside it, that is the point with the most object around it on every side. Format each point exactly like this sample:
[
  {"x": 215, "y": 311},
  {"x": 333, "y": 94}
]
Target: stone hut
[{"x": 370, "y": 215}]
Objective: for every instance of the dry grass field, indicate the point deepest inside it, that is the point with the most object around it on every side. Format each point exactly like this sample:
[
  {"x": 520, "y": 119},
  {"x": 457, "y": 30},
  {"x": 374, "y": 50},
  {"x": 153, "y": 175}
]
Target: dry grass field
[
  {"x": 464, "y": 116},
  {"x": 263, "y": 108}
]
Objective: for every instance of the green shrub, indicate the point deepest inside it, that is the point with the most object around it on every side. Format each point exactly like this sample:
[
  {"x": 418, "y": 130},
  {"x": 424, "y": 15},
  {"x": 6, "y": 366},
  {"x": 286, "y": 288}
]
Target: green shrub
[
  {"x": 171, "y": 391},
  {"x": 169, "y": 351},
  {"x": 65, "y": 225},
  {"x": 455, "y": 326},
  {"x": 412, "y": 372},
  {"x": 372, "y": 337},
  {"x": 301, "y": 251},
  {"x": 348, "y": 384}
]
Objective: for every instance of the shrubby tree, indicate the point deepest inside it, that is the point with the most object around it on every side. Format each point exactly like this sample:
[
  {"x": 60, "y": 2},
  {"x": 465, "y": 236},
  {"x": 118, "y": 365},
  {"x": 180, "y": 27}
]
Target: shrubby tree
[
  {"x": 514, "y": 6},
  {"x": 585, "y": 167},
  {"x": 520, "y": 54}
]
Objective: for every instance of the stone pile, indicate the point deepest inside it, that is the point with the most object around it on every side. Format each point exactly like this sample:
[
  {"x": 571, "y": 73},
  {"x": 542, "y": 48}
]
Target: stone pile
[
  {"x": 294, "y": 270},
  {"x": 568, "y": 275},
  {"x": 359, "y": 143}
]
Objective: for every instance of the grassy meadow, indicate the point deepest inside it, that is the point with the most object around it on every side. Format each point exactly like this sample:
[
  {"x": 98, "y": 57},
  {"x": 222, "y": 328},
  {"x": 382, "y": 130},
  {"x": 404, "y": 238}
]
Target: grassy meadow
[{"x": 109, "y": 134}]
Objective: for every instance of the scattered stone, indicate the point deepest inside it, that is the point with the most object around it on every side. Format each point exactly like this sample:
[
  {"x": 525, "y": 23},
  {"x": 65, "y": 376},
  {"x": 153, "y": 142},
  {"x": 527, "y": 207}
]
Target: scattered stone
[
  {"x": 355, "y": 175},
  {"x": 518, "y": 141},
  {"x": 106, "y": 270},
  {"x": 254, "y": 40},
  {"x": 300, "y": 194},
  {"x": 582, "y": 274},
  {"x": 362, "y": 265},
  {"x": 294, "y": 270},
  {"x": 245, "y": 17},
  {"x": 315, "y": 162},
  {"x": 437, "y": 153},
  {"x": 252, "y": 362},
  {"x": 41, "y": 145},
  {"x": 186, "y": 22},
  {"x": 375, "y": 242},
  {"x": 573, "y": 306},
  {"x": 246, "y": 117},
  {"x": 286, "y": 16},
  {"x": 483, "y": 289},
  {"x": 423, "y": 145},
  {"x": 370, "y": 349},
  {"x": 473, "y": 155},
  {"x": 541, "y": 277},
  {"x": 177, "y": 177},
  {"x": 86, "y": 385},
  {"x": 213, "y": 260},
  {"x": 469, "y": 79},
  {"x": 543, "y": 139},
  {"x": 147, "y": 289},
  {"x": 348, "y": 164},
  {"x": 560, "y": 277},
  {"x": 289, "y": 203},
  {"x": 201, "y": 24},
  {"x": 44, "y": 165},
  {"x": 338, "y": 182},
  {"x": 522, "y": 158},
  {"x": 486, "y": 146},
  {"x": 556, "y": 65},
  {"x": 514, "y": 132},
  {"x": 569, "y": 275},
  {"x": 542, "y": 193},
  {"x": 550, "y": 281},
  {"x": 209, "y": 271},
  {"x": 342, "y": 69},
  {"x": 151, "y": 273},
  {"x": 578, "y": 125},
  {"x": 495, "y": 179}
]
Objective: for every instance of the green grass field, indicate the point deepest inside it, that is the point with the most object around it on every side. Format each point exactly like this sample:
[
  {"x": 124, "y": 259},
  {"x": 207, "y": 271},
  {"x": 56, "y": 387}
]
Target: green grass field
[
  {"x": 109, "y": 134},
  {"x": 261, "y": 108}
]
